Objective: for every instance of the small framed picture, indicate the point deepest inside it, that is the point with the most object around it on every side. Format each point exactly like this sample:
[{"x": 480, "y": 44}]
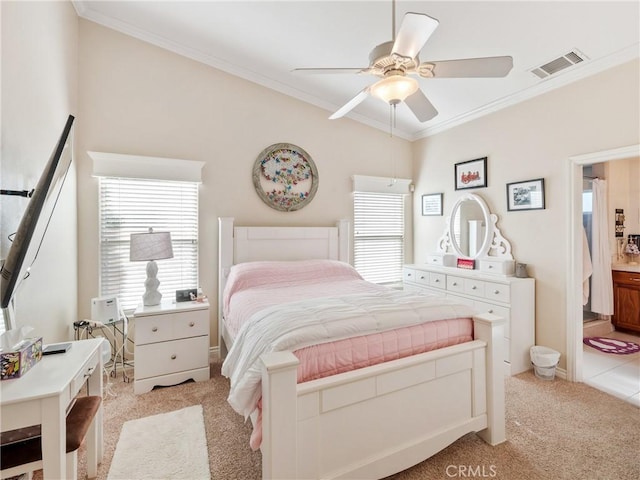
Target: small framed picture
[
  {"x": 471, "y": 174},
  {"x": 432, "y": 204},
  {"x": 527, "y": 195}
]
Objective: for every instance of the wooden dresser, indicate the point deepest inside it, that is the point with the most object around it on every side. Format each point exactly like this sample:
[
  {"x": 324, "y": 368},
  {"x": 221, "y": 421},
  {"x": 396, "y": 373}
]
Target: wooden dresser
[
  {"x": 626, "y": 300},
  {"x": 508, "y": 297}
]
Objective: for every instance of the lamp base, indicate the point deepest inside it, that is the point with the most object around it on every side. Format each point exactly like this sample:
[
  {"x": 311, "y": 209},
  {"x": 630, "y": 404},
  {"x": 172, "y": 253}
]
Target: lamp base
[{"x": 151, "y": 295}]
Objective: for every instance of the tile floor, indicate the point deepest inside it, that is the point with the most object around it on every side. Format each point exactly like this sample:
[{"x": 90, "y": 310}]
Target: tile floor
[{"x": 618, "y": 375}]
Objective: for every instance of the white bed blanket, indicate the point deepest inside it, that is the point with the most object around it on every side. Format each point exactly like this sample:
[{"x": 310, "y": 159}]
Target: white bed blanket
[{"x": 309, "y": 322}]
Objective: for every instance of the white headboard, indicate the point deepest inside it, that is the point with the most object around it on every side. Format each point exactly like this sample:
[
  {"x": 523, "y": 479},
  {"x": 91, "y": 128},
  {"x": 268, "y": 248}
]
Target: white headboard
[{"x": 247, "y": 244}]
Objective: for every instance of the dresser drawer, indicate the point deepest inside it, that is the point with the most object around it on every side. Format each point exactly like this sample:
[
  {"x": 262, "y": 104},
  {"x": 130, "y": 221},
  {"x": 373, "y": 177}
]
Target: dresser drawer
[
  {"x": 501, "y": 267},
  {"x": 474, "y": 287},
  {"x": 497, "y": 291},
  {"x": 170, "y": 357},
  {"x": 502, "y": 312},
  {"x": 437, "y": 280},
  {"x": 408, "y": 275},
  {"x": 422, "y": 277},
  {"x": 455, "y": 284},
  {"x": 435, "y": 260},
  {"x": 170, "y": 326}
]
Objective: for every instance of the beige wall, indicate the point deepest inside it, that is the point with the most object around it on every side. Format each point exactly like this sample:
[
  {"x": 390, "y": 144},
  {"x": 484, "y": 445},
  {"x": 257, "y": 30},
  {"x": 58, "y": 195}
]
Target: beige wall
[
  {"x": 139, "y": 99},
  {"x": 39, "y": 89},
  {"x": 623, "y": 181},
  {"x": 531, "y": 140}
]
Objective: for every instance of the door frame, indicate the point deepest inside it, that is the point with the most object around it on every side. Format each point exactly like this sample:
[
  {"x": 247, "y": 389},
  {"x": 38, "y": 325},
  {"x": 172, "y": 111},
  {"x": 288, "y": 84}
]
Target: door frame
[{"x": 574, "y": 250}]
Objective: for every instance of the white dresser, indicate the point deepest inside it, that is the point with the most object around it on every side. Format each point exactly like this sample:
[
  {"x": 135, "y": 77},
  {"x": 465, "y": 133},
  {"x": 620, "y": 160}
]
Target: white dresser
[
  {"x": 171, "y": 344},
  {"x": 508, "y": 297}
]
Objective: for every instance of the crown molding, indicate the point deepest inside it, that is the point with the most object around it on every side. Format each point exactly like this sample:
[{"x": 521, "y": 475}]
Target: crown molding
[
  {"x": 546, "y": 85},
  {"x": 573, "y": 74}
]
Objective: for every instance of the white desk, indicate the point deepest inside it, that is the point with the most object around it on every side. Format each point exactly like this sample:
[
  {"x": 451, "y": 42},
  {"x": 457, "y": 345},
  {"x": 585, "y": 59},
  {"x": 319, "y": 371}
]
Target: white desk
[{"x": 42, "y": 395}]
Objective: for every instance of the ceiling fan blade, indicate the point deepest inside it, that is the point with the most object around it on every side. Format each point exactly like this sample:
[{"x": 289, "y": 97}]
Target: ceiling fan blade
[
  {"x": 351, "y": 104},
  {"x": 420, "y": 105},
  {"x": 415, "y": 30},
  {"x": 471, "y": 67},
  {"x": 329, "y": 70}
]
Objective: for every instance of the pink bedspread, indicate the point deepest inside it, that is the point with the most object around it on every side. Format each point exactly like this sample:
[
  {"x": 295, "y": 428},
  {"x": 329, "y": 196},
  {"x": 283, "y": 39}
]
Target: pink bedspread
[{"x": 253, "y": 287}]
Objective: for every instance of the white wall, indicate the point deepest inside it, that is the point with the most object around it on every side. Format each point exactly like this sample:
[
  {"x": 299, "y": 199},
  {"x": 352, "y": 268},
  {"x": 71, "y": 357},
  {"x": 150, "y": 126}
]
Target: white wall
[
  {"x": 39, "y": 91},
  {"x": 136, "y": 98},
  {"x": 531, "y": 140}
]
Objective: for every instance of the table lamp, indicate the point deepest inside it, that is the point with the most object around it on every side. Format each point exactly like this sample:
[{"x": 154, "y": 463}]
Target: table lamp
[{"x": 151, "y": 246}]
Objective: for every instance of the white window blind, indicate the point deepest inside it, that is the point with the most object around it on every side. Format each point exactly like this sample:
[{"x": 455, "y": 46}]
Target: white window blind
[
  {"x": 133, "y": 206},
  {"x": 378, "y": 239}
]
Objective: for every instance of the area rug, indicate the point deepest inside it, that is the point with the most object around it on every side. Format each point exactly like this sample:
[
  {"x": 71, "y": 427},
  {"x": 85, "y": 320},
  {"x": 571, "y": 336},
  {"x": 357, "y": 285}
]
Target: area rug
[
  {"x": 169, "y": 446},
  {"x": 612, "y": 345}
]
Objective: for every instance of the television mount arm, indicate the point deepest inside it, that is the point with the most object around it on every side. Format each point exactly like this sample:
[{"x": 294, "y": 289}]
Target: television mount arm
[{"x": 18, "y": 193}]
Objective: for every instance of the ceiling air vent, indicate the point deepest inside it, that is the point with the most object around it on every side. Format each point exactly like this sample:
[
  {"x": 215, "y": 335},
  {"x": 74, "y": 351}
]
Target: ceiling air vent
[{"x": 558, "y": 64}]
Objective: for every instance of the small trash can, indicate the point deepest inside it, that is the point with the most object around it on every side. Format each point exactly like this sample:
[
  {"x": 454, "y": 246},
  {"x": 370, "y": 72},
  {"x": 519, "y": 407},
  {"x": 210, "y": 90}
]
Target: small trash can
[{"x": 544, "y": 360}]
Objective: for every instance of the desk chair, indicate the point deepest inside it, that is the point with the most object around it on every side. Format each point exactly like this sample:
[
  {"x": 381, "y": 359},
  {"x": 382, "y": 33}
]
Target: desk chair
[{"x": 21, "y": 450}]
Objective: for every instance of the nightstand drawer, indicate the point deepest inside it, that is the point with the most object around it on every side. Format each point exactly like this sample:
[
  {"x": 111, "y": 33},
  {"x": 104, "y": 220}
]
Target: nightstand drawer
[
  {"x": 171, "y": 326},
  {"x": 169, "y": 357}
]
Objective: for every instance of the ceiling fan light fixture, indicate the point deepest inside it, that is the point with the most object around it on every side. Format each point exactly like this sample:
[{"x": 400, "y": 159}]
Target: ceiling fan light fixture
[{"x": 394, "y": 88}]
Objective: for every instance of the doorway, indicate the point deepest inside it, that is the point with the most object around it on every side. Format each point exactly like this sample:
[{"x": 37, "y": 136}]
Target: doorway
[{"x": 574, "y": 251}]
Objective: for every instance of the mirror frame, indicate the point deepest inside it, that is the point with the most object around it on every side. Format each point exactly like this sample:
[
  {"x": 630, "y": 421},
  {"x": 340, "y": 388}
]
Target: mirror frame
[
  {"x": 494, "y": 244},
  {"x": 488, "y": 233}
]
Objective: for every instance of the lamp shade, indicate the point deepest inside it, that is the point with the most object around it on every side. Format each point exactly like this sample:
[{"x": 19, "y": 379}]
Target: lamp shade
[
  {"x": 394, "y": 89},
  {"x": 150, "y": 246}
]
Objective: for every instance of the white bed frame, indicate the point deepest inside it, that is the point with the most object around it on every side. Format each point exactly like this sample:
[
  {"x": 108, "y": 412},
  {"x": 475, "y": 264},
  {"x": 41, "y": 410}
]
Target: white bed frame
[{"x": 372, "y": 422}]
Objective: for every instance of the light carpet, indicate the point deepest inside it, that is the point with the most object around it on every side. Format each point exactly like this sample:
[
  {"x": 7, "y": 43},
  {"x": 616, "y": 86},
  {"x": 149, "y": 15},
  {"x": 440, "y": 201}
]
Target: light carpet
[{"x": 169, "y": 445}]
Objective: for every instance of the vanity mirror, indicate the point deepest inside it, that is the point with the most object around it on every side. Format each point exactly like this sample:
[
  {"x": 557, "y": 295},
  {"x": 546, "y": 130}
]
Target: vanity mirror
[{"x": 471, "y": 231}]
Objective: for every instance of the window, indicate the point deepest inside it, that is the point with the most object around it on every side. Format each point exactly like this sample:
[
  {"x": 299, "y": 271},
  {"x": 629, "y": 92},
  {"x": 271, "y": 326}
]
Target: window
[
  {"x": 378, "y": 238},
  {"x": 132, "y": 206}
]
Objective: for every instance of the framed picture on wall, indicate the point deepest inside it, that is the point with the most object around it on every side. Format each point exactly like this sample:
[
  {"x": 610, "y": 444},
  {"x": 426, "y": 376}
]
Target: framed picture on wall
[
  {"x": 432, "y": 204},
  {"x": 471, "y": 174},
  {"x": 527, "y": 195}
]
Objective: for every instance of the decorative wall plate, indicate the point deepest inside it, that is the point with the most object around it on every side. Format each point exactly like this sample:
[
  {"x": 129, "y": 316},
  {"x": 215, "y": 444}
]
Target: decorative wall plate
[{"x": 285, "y": 177}]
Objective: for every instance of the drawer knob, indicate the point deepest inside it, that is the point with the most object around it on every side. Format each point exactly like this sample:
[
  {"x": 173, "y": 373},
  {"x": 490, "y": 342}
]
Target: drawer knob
[
  {"x": 437, "y": 280},
  {"x": 154, "y": 329},
  {"x": 422, "y": 277},
  {"x": 173, "y": 357},
  {"x": 491, "y": 311},
  {"x": 191, "y": 324},
  {"x": 490, "y": 266},
  {"x": 455, "y": 284},
  {"x": 474, "y": 287},
  {"x": 496, "y": 292}
]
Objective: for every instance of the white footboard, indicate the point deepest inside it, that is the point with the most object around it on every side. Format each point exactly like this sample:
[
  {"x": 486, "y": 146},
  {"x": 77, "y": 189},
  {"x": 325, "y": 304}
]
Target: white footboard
[{"x": 379, "y": 420}]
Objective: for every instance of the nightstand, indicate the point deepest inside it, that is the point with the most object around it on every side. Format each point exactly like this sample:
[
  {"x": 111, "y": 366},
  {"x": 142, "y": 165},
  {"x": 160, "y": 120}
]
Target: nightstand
[{"x": 171, "y": 344}]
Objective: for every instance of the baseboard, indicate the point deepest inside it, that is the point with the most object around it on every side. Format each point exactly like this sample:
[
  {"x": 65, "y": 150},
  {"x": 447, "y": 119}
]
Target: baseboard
[
  {"x": 214, "y": 354},
  {"x": 561, "y": 373}
]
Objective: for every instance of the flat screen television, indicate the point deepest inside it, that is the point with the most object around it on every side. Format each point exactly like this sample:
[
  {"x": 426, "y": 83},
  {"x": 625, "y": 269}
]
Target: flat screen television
[{"x": 34, "y": 222}]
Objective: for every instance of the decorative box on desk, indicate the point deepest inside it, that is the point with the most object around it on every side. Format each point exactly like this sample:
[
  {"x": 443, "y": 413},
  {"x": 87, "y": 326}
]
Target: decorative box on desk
[
  {"x": 171, "y": 344},
  {"x": 21, "y": 358}
]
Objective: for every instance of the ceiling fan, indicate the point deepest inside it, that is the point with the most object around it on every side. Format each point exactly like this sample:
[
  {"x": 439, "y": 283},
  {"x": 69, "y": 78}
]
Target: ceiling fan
[{"x": 393, "y": 61}]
